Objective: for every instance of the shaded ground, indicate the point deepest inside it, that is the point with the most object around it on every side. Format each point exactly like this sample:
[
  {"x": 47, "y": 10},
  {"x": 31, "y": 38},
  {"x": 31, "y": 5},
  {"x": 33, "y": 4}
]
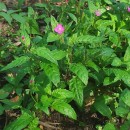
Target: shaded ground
[{"x": 56, "y": 121}]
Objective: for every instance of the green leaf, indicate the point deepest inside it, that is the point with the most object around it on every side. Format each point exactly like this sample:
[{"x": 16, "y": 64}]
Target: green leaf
[
  {"x": 1, "y": 109},
  {"x": 6, "y": 16},
  {"x": 89, "y": 39},
  {"x": 126, "y": 97},
  {"x": 108, "y": 1},
  {"x": 122, "y": 111},
  {"x": 109, "y": 126},
  {"x": 116, "y": 62},
  {"x": 20, "y": 73},
  {"x": 45, "y": 53},
  {"x": 34, "y": 124},
  {"x": 91, "y": 6},
  {"x": 8, "y": 104},
  {"x": 125, "y": 126},
  {"x": 26, "y": 40},
  {"x": 127, "y": 54},
  {"x": 46, "y": 101},
  {"x": 58, "y": 54},
  {"x": 20, "y": 123},
  {"x": 73, "y": 17},
  {"x": 103, "y": 24},
  {"x": 72, "y": 40},
  {"x": 52, "y": 37},
  {"x": 64, "y": 108},
  {"x": 52, "y": 71},
  {"x": 2, "y": 7},
  {"x": 80, "y": 71},
  {"x": 41, "y": 5},
  {"x": 109, "y": 80},
  {"x": 17, "y": 62},
  {"x": 54, "y": 23},
  {"x": 76, "y": 86},
  {"x": 91, "y": 64},
  {"x": 31, "y": 12},
  {"x": 122, "y": 75},
  {"x": 62, "y": 93},
  {"x": 43, "y": 108},
  {"x": 35, "y": 28},
  {"x": 3, "y": 94},
  {"x": 114, "y": 38},
  {"x": 107, "y": 53},
  {"x": 101, "y": 107},
  {"x": 20, "y": 3},
  {"x": 18, "y": 18}
]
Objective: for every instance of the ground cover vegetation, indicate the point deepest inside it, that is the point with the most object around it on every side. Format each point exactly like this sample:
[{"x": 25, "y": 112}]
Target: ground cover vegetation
[{"x": 66, "y": 56}]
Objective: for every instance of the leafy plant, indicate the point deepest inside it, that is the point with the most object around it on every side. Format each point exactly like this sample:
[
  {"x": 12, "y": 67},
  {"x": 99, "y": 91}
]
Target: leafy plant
[{"x": 67, "y": 53}]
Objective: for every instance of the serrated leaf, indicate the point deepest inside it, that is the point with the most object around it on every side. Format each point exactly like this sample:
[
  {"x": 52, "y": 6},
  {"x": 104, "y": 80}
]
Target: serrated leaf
[
  {"x": 52, "y": 37},
  {"x": 26, "y": 40},
  {"x": 109, "y": 126},
  {"x": 122, "y": 111},
  {"x": 109, "y": 80},
  {"x": 72, "y": 40},
  {"x": 2, "y": 7},
  {"x": 41, "y": 5},
  {"x": 58, "y": 54},
  {"x": 127, "y": 54},
  {"x": 64, "y": 108},
  {"x": 43, "y": 108},
  {"x": 108, "y": 1},
  {"x": 17, "y": 62},
  {"x": 20, "y": 3},
  {"x": 107, "y": 53},
  {"x": 18, "y": 18},
  {"x": 46, "y": 101},
  {"x": 89, "y": 39},
  {"x": 1, "y": 109},
  {"x": 91, "y": 6},
  {"x": 91, "y": 64},
  {"x": 62, "y": 93},
  {"x": 54, "y": 23},
  {"x": 116, "y": 62},
  {"x": 6, "y": 16},
  {"x": 114, "y": 38},
  {"x": 80, "y": 71},
  {"x": 20, "y": 73},
  {"x": 76, "y": 86},
  {"x": 3, "y": 94},
  {"x": 125, "y": 126},
  {"x": 35, "y": 28},
  {"x": 73, "y": 17},
  {"x": 52, "y": 71},
  {"x": 31, "y": 12},
  {"x": 11, "y": 104},
  {"x": 122, "y": 75},
  {"x": 34, "y": 124},
  {"x": 20, "y": 123},
  {"x": 45, "y": 53},
  {"x": 101, "y": 107},
  {"x": 126, "y": 97}
]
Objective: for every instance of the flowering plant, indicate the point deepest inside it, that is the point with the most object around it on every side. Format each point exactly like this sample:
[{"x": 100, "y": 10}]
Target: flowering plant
[{"x": 72, "y": 53}]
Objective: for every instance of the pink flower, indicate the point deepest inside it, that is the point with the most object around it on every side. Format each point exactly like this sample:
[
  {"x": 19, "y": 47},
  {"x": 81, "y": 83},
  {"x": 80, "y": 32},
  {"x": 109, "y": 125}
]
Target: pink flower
[
  {"x": 23, "y": 38},
  {"x": 31, "y": 81},
  {"x": 59, "y": 29},
  {"x": 66, "y": 1},
  {"x": 97, "y": 13},
  {"x": 128, "y": 9}
]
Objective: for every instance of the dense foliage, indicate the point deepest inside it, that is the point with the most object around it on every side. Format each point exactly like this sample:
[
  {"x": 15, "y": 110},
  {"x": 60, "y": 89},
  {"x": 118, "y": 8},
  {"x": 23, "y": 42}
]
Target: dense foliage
[{"x": 60, "y": 54}]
